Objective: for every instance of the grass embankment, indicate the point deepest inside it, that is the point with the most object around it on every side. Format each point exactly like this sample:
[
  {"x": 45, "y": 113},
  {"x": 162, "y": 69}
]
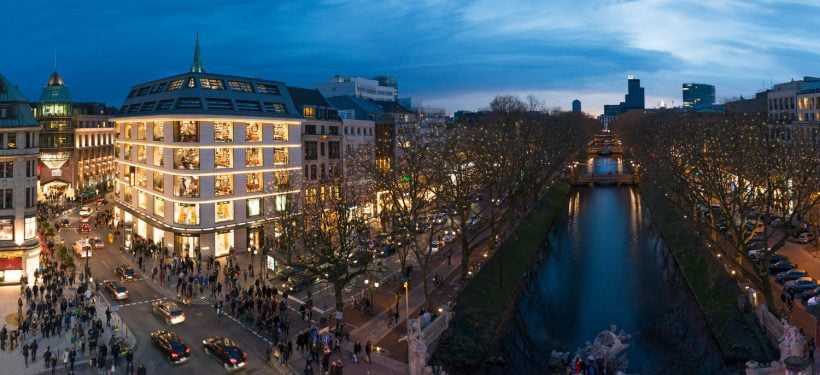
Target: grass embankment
[
  {"x": 481, "y": 304},
  {"x": 714, "y": 290}
]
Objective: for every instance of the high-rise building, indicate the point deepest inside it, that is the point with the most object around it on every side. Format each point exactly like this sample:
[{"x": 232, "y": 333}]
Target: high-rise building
[
  {"x": 698, "y": 95},
  {"x": 76, "y": 144},
  {"x": 205, "y": 160},
  {"x": 576, "y": 105},
  {"x": 634, "y": 99},
  {"x": 19, "y": 132}
]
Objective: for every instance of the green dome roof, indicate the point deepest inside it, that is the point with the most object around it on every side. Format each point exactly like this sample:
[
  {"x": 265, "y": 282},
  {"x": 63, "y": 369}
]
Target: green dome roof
[
  {"x": 21, "y": 115},
  {"x": 55, "y": 91}
]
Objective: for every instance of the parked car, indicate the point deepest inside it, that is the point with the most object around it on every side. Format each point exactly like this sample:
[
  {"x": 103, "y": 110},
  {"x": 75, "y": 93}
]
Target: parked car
[
  {"x": 781, "y": 266},
  {"x": 801, "y": 284},
  {"x": 776, "y": 258},
  {"x": 776, "y": 223},
  {"x": 170, "y": 344},
  {"x": 125, "y": 272},
  {"x": 792, "y": 274},
  {"x": 226, "y": 351},
  {"x": 448, "y": 237},
  {"x": 386, "y": 249},
  {"x": 473, "y": 220},
  {"x": 168, "y": 312},
  {"x": 115, "y": 289},
  {"x": 755, "y": 245},
  {"x": 807, "y": 294},
  {"x": 802, "y": 237}
]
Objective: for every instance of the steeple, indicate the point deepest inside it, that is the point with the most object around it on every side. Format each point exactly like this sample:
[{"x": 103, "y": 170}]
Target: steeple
[{"x": 197, "y": 67}]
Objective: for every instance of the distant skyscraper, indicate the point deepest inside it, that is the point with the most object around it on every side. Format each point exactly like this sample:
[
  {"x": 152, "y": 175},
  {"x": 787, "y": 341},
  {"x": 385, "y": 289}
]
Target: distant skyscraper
[
  {"x": 698, "y": 95},
  {"x": 576, "y": 105},
  {"x": 634, "y": 99}
]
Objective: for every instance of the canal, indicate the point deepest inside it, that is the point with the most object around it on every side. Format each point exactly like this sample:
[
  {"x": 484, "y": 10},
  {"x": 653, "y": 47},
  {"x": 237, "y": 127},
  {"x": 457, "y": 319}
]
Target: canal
[{"x": 606, "y": 265}]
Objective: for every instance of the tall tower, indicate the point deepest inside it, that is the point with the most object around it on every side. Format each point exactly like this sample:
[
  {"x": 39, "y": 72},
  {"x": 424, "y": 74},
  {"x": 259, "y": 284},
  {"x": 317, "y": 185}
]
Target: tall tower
[
  {"x": 197, "y": 66},
  {"x": 576, "y": 106},
  {"x": 57, "y": 138},
  {"x": 634, "y": 98}
]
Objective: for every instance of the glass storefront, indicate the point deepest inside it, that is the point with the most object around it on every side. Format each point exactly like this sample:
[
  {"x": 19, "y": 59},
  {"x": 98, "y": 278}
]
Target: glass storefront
[
  {"x": 223, "y": 185},
  {"x": 142, "y": 228},
  {"x": 223, "y": 158},
  {"x": 223, "y": 243},
  {"x": 30, "y": 227},
  {"x": 223, "y": 131},
  {"x": 255, "y": 238},
  {"x": 224, "y": 211},
  {"x": 185, "y": 244},
  {"x": 254, "y": 207},
  {"x": 253, "y": 132},
  {"x": 186, "y": 186},
  {"x": 254, "y": 182},
  {"x": 186, "y": 213},
  {"x": 186, "y": 158}
]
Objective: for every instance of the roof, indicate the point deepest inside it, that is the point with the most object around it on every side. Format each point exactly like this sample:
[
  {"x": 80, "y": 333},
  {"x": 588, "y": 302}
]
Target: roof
[
  {"x": 55, "y": 91},
  {"x": 810, "y": 88},
  {"x": 209, "y": 94},
  {"x": 310, "y": 97},
  {"x": 364, "y": 109},
  {"x": 11, "y": 97}
]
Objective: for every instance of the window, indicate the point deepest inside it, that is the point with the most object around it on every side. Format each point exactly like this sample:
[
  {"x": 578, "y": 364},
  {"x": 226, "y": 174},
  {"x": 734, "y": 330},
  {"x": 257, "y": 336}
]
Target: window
[
  {"x": 267, "y": 89},
  {"x": 142, "y": 200},
  {"x": 310, "y": 151},
  {"x": 8, "y": 198},
  {"x": 141, "y": 131},
  {"x": 310, "y": 129},
  {"x": 253, "y": 132},
  {"x": 186, "y": 158},
  {"x": 275, "y": 108},
  {"x": 186, "y": 186},
  {"x": 281, "y": 202},
  {"x": 28, "y": 139},
  {"x": 223, "y": 185},
  {"x": 254, "y": 207},
  {"x": 313, "y": 172},
  {"x": 253, "y": 157},
  {"x": 6, "y": 229},
  {"x": 158, "y": 181},
  {"x": 165, "y": 105},
  {"x": 31, "y": 197},
  {"x": 223, "y": 243},
  {"x": 142, "y": 155},
  {"x": 158, "y": 87},
  {"x": 7, "y": 169},
  {"x": 224, "y": 211},
  {"x": 334, "y": 130},
  {"x": 309, "y": 112},
  {"x": 126, "y": 153},
  {"x": 321, "y": 148},
  {"x": 191, "y": 82},
  {"x": 333, "y": 150},
  {"x": 219, "y": 104},
  {"x": 281, "y": 178},
  {"x": 141, "y": 177},
  {"x": 254, "y": 182},
  {"x": 12, "y": 140},
  {"x": 30, "y": 168},
  {"x": 322, "y": 174},
  {"x": 30, "y": 228},
  {"x": 159, "y": 206},
  {"x": 240, "y": 86},
  {"x": 158, "y": 131},
  {"x": 186, "y": 213},
  {"x": 223, "y": 131},
  {"x": 158, "y": 156},
  {"x": 280, "y": 132},
  {"x": 223, "y": 158},
  {"x": 212, "y": 84},
  {"x": 280, "y": 156},
  {"x": 189, "y": 103},
  {"x": 247, "y": 105},
  {"x": 126, "y": 134}
]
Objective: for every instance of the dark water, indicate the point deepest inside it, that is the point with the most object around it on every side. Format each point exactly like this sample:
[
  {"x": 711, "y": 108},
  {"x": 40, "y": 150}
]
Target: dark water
[{"x": 605, "y": 268}]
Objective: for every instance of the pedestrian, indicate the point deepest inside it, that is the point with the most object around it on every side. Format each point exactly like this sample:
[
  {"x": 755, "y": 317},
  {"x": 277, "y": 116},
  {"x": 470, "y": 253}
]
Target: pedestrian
[
  {"x": 72, "y": 356},
  {"x": 25, "y": 353},
  {"x": 53, "y": 363},
  {"x": 368, "y": 347},
  {"x": 47, "y": 356},
  {"x": 129, "y": 362},
  {"x": 108, "y": 316}
]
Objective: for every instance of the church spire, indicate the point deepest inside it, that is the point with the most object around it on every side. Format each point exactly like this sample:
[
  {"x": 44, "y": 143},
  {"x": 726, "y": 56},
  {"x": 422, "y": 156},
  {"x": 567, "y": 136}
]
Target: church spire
[{"x": 197, "y": 67}]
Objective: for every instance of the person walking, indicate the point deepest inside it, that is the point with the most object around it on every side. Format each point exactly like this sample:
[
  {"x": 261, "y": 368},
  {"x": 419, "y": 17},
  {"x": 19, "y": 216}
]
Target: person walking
[
  {"x": 47, "y": 356},
  {"x": 129, "y": 362},
  {"x": 53, "y": 363},
  {"x": 25, "y": 354},
  {"x": 368, "y": 347}
]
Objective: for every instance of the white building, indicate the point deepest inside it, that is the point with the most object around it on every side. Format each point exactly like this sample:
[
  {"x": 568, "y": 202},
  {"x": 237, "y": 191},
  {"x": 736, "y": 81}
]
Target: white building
[
  {"x": 782, "y": 99},
  {"x": 19, "y": 151},
  {"x": 357, "y": 87}
]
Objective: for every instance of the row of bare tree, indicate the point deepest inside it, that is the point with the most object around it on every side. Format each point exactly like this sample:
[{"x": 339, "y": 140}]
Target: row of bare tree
[
  {"x": 477, "y": 173},
  {"x": 730, "y": 173}
]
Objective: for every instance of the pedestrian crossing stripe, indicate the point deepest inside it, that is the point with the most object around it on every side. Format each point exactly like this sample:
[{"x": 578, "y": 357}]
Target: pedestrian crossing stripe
[{"x": 141, "y": 302}]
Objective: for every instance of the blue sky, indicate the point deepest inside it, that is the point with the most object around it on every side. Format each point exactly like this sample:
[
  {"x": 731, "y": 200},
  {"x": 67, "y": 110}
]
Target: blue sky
[{"x": 451, "y": 54}]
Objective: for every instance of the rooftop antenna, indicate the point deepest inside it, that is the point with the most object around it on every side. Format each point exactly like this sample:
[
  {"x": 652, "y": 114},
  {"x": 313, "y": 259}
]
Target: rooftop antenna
[{"x": 197, "y": 67}]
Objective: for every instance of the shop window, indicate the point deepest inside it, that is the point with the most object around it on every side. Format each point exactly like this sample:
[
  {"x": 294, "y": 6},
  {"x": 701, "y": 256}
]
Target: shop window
[
  {"x": 159, "y": 130},
  {"x": 141, "y": 177},
  {"x": 280, "y": 132},
  {"x": 280, "y": 156},
  {"x": 223, "y": 158},
  {"x": 126, "y": 134},
  {"x": 254, "y": 207},
  {"x": 224, "y": 211},
  {"x": 159, "y": 207},
  {"x": 223, "y": 131},
  {"x": 142, "y": 200},
  {"x": 223, "y": 243},
  {"x": 31, "y": 228},
  {"x": 126, "y": 153},
  {"x": 186, "y": 186},
  {"x": 254, "y": 182},
  {"x": 282, "y": 179},
  {"x": 141, "y": 131},
  {"x": 253, "y": 157},
  {"x": 223, "y": 184},
  {"x": 186, "y": 158},
  {"x": 253, "y": 132},
  {"x": 281, "y": 202},
  {"x": 186, "y": 131},
  {"x": 158, "y": 181},
  {"x": 6, "y": 229},
  {"x": 127, "y": 197},
  {"x": 186, "y": 213},
  {"x": 159, "y": 159},
  {"x": 142, "y": 155}
]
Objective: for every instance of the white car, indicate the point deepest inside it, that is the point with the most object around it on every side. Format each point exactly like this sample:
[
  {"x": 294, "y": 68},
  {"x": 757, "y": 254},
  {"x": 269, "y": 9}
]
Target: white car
[
  {"x": 83, "y": 249},
  {"x": 85, "y": 211},
  {"x": 168, "y": 311},
  {"x": 449, "y": 237}
]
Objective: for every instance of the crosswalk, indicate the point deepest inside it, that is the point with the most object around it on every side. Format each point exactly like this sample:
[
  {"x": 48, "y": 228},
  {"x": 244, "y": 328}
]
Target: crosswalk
[{"x": 142, "y": 302}]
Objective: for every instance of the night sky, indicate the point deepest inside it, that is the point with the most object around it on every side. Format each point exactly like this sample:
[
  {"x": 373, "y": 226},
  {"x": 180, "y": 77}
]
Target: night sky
[{"x": 451, "y": 54}]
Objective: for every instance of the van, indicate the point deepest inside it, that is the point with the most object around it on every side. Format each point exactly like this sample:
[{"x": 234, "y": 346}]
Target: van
[{"x": 83, "y": 249}]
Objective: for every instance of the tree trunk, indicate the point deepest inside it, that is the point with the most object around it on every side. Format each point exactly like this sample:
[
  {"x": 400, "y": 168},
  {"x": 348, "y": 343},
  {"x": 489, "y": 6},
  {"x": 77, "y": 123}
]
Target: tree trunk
[{"x": 337, "y": 291}]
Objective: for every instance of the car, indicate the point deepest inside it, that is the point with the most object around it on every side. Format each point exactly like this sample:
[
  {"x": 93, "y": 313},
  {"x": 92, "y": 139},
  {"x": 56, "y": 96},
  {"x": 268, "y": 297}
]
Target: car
[
  {"x": 125, "y": 272},
  {"x": 807, "y": 294},
  {"x": 781, "y": 266},
  {"x": 440, "y": 218},
  {"x": 791, "y": 274},
  {"x": 801, "y": 284},
  {"x": 776, "y": 223},
  {"x": 435, "y": 246},
  {"x": 802, "y": 237},
  {"x": 97, "y": 243},
  {"x": 386, "y": 250},
  {"x": 448, "y": 237},
  {"x": 116, "y": 290},
  {"x": 65, "y": 223},
  {"x": 82, "y": 249},
  {"x": 102, "y": 202},
  {"x": 85, "y": 212},
  {"x": 168, "y": 312},
  {"x": 170, "y": 344},
  {"x": 226, "y": 351},
  {"x": 473, "y": 220},
  {"x": 755, "y": 245},
  {"x": 776, "y": 258}
]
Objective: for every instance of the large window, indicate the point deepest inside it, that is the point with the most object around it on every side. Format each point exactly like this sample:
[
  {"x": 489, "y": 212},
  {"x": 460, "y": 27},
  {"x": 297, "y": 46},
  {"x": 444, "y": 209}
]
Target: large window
[
  {"x": 31, "y": 227},
  {"x": 6, "y": 229},
  {"x": 281, "y": 202},
  {"x": 159, "y": 159},
  {"x": 212, "y": 84},
  {"x": 127, "y": 130},
  {"x": 333, "y": 150},
  {"x": 141, "y": 177},
  {"x": 253, "y": 132},
  {"x": 141, "y": 131},
  {"x": 223, "y": 131},
  {"x": 11, "y": 141},
  {"x": 254, "y": 182},
  {"x": 186, "y": 213},
  {"x": 223, "y": 184},
  {"x": 142, "y": 155},
  {"x": 224, "y": 211},
  {"x": 159, "y": 206},
  {"x": 7, "y": 169},
  {"x": 253, "y": 157},
  {"x": 254, "y": 207},
  {"x": 126, "y": 153},
  {"x": 223, "y": 243},
  {"x": 280, "y": 132},
  {"x": 159, "y": 130},
  {"x": 159, "y": 181},
  {"x": 280, "y": 156},
  {"x": 186, "y": 131},
  {"x": 186, "y": 186},
  {"x": 311, "y": 151},
  {"x": 281, "y": 179},
  {"x": 142, "y": 200},
  {"x": 240, "y": 86},
  {"x": 186, "y": 158},
  {"x": 223, "y": 158}
]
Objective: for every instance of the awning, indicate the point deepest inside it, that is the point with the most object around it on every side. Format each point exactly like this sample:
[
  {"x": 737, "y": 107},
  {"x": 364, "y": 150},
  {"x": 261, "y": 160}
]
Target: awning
[{"x": 8, "y": 264}]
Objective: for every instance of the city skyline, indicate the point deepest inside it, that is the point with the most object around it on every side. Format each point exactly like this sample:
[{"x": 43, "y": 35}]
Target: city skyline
[{"x": 446, "y": 54}]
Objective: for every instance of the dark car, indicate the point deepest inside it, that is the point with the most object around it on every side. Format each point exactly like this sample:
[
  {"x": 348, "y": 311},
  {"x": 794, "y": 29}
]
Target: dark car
[
  {"x": 170, "y": 344},
  {"x": 801, "y": 284},
  {"x": 781, "y": 266},
  {"x": 808, "y": 294},
  {"x": 792, "y": 274},
  {"x": 125, "y": 272},
  {"x": 386, "y": 250},
  {"x": 226, "y": 351},
  {"x": 115, "y": 289},
  {"x": 777, "y": 258},
  {"x": 65, "y": 222}
]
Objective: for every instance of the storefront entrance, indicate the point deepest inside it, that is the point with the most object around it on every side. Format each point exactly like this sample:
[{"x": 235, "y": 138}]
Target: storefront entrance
[{"x": 185, "y": 244}]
